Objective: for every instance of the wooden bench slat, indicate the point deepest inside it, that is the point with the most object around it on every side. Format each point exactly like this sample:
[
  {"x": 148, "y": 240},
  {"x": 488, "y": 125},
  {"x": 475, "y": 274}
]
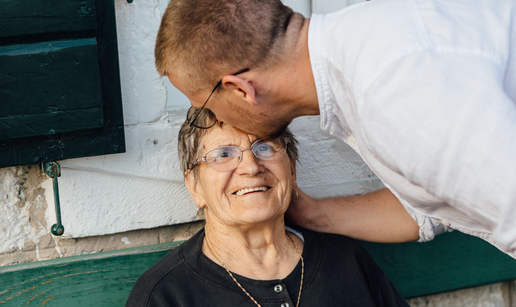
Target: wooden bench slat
[
  {"x": 102, "y": 279},
  {"x": 450, "y": 262}
]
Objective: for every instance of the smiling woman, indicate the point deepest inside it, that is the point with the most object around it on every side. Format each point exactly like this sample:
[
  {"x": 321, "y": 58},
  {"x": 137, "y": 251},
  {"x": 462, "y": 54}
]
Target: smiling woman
[
  {"x": 246, "y": 255},
  {"x": 242, "y": 180}
]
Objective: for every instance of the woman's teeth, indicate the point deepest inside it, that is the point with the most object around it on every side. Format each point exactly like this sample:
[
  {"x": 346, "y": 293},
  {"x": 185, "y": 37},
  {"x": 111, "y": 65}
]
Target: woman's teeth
[{"x": 245, "y": 191}]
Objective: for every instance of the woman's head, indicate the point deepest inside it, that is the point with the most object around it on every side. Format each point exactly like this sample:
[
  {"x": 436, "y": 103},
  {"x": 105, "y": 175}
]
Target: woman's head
[
  {"x": 190, "y": 140},
  {"x": 256, "y": 189}
]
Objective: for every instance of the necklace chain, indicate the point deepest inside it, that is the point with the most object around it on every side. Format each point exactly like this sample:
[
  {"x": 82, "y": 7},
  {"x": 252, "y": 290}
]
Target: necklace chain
[{"x": 247, "y": 293}]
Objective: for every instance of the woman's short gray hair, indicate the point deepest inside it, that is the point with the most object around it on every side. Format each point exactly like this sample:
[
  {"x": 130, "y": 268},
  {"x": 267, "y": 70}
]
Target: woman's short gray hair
[{"x": 190, "y": 140}]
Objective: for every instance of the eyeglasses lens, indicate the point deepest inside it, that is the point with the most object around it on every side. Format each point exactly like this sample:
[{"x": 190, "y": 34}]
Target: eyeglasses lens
[{"x": 227, "y": 158}]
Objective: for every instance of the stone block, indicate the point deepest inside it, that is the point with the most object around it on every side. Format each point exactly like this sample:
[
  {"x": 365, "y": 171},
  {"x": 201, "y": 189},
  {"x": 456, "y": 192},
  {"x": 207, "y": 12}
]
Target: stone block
[{"x": 484, "y": 296}]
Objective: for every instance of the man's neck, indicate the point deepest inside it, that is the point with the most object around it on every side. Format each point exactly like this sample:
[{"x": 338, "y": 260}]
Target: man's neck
[
  {"x": 298, "y": 82},
  {"x": 309, "y": 100}
]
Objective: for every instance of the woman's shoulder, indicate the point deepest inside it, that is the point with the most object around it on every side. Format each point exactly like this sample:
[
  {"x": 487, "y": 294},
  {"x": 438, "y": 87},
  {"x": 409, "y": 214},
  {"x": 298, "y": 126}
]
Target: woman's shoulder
[
  {"x": 171, "y": 267},
  {"x": 345, "y": 262},
  {"x": 329, "y": 240},
  {"x": 338, "y": 248}
]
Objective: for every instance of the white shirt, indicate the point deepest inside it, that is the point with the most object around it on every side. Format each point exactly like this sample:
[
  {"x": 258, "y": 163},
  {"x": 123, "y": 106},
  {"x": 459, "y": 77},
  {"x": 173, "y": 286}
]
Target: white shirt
[{"x": 425, "y": 92}]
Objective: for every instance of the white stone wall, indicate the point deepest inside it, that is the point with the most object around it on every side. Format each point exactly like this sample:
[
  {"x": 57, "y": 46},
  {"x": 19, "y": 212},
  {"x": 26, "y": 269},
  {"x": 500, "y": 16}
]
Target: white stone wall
[{"x": 143, "y": 188}]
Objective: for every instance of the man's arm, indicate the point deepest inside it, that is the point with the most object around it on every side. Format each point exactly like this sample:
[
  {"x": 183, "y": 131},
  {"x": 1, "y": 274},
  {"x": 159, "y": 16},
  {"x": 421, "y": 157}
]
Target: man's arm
[
  {"x": 445, "y": 122},
  {"x": 376, "y": 217}
]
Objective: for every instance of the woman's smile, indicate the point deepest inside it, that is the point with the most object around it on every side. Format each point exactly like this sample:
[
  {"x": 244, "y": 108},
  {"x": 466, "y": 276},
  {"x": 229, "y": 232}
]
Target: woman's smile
[{"x": 251, "y": 190}]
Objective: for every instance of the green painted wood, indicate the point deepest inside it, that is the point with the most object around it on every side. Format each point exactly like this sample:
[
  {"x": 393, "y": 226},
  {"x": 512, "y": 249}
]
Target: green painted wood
[
  {"x": 102, "y": 279},
  {"x": 107, "y": 139},
  {"x": 50, "y": 88},
  {"x": 451, "y": 261},
  {"x": 50, "y": 123},
  {"x": 49, "y": 76},
  {"x": 44, "y": 20},
  {"x": 62, "y": 146}
]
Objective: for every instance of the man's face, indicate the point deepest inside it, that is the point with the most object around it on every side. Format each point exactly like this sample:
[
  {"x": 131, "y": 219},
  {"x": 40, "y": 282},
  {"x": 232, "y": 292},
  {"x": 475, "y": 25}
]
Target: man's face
[{"x": 263, "y": 120}]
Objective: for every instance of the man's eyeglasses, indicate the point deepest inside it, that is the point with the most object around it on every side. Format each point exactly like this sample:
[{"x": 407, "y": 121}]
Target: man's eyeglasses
[
  {"x": 192, "y": 122},
  {"x": 227, "y": 158}
]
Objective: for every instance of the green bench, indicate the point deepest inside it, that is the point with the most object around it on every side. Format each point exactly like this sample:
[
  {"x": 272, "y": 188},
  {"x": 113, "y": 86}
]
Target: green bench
[{"x": 450, "y": 262}]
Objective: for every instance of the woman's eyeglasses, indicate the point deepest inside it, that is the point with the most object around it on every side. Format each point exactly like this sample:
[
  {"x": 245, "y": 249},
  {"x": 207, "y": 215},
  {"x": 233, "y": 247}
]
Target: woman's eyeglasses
[
  {"x": 227, "y": 158},
  {"x": 192, "y": 122}
]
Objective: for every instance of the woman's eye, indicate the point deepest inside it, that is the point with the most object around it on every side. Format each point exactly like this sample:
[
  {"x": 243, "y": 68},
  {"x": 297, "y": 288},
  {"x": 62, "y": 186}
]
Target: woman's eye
[
  {"x": 224, "y": 154},
  {"x": 264, "y": 147},
  {"x": 220, "y": 155}
]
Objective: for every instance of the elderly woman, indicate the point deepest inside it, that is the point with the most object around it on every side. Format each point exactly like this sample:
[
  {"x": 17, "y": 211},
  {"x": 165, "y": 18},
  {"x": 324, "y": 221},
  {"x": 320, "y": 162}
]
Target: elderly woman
[{"x": 245, "y": 255}]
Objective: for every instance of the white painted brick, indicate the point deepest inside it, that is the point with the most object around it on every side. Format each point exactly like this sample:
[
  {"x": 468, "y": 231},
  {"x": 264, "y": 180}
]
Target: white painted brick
[
  {"x": 300, "y": 6},
  {"x": 328, "y": 6},
  {"x": 328, "y": 166},
  {"x": 143, "y": 91},
  {"x": 151, "y": 152},
  {"x": 176, "y": 101},
  {"x": 94, "y": 203}
]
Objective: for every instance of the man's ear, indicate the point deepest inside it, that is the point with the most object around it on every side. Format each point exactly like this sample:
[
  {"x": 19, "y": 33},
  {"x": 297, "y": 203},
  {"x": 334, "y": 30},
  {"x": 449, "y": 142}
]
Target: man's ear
[
  {"x": 191, "y": 185},
  {"x": 241, "y": 88}
]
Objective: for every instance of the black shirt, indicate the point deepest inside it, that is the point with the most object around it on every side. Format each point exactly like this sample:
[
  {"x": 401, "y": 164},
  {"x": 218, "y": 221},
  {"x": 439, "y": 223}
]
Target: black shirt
[{"x": 338, "y": 272}]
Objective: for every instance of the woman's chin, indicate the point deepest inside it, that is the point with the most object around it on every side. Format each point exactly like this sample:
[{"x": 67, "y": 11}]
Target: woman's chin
[{"x": 258, "y": 216}]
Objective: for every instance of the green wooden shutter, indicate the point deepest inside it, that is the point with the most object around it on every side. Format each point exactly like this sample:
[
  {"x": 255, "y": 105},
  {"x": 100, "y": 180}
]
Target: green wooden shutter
[{"x": 59, "y": 81}]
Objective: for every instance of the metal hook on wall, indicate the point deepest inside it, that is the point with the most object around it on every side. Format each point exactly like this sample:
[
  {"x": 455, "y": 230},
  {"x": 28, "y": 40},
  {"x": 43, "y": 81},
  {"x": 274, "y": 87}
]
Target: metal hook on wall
[{"x": 53, "y": 170}]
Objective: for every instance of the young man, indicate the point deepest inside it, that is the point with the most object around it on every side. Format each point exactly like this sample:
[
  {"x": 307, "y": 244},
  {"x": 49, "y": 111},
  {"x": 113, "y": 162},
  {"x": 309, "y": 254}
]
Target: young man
[{"x": 424, "y": 91}]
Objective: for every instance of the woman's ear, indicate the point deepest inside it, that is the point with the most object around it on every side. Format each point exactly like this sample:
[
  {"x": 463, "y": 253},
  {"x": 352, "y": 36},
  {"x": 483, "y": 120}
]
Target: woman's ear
[
  {"x": 240, "y": 88},
  {"x": 191, "y": 185},
  {"x": 293, "y": 169}
]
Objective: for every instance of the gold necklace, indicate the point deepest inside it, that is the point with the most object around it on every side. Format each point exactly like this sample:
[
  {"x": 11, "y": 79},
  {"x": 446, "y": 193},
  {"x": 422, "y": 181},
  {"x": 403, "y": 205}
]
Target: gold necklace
[{"x": 247, "y": 293}]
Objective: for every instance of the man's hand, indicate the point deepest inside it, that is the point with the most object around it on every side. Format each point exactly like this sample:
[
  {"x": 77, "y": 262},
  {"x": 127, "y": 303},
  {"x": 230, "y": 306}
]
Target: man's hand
[
  {"x": 376, "y": 217},
  {"x": 305, "y": 212}
]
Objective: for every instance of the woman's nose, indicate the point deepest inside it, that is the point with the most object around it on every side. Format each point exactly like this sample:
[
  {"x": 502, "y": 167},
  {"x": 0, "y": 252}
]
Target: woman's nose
[{"x": 248, "y": 164}]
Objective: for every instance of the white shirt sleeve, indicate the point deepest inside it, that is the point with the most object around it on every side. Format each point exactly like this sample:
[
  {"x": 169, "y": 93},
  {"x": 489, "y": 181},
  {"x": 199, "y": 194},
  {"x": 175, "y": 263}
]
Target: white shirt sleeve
[
  {"x": 428, "y": 227},
  {"x": 443, "y": 120}
]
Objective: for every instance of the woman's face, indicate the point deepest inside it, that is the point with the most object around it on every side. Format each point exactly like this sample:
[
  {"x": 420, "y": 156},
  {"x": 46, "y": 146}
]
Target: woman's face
[{"x": 256, "y": 191}]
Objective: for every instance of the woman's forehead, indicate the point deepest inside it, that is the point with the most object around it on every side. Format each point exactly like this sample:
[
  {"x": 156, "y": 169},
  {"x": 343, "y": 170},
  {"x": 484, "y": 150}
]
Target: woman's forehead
[{"x": 226, "y": 135}]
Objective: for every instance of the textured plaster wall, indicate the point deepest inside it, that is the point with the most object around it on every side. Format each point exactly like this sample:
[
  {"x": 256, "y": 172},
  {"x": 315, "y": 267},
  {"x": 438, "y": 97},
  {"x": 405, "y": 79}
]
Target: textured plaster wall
[
  {"x": 138, "y": 198},
  {"x": 23, "y": 207}
]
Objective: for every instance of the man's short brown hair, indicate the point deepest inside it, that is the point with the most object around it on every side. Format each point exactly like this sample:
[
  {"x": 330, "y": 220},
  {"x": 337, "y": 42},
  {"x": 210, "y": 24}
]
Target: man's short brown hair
[{"x": 201, "y": 40}]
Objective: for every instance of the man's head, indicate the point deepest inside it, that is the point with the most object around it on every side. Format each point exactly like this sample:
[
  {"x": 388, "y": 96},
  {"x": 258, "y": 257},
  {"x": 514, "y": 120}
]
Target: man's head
[
  {"x": 199, "y": 41},
  {"x": 203, "y": 42}
]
